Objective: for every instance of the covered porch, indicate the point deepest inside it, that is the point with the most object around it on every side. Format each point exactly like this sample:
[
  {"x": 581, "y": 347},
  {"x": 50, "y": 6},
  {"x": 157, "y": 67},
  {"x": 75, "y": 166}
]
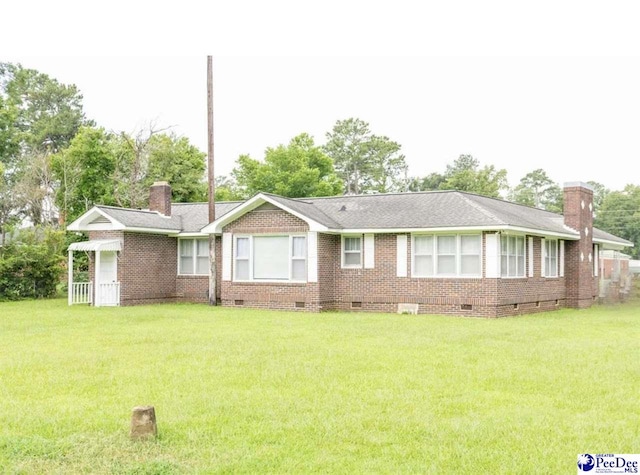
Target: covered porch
[{"x": 103, "y": 287}]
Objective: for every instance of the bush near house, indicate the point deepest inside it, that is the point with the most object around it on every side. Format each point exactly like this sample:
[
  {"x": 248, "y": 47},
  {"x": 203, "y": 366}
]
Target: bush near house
[{"x": 32, "y": 265}]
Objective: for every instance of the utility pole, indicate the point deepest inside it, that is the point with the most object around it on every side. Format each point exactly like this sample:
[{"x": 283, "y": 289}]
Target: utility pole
[{"x": 212, "y": 186}]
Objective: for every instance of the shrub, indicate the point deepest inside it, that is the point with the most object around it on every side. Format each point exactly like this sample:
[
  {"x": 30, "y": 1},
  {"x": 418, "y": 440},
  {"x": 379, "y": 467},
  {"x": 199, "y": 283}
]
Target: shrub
[{"x": 32, "y": 265}]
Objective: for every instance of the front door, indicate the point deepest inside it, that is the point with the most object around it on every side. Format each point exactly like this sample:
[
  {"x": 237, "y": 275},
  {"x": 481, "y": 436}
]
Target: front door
[{"x": 108, "y": 286}]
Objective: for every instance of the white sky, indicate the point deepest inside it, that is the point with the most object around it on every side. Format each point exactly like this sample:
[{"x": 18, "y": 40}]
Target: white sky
[{"x": 539, "y": 88}]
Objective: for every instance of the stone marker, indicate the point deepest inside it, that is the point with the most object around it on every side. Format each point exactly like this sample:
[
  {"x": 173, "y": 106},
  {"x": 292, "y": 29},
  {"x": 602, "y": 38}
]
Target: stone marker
[{"x": 143, "y": 422}]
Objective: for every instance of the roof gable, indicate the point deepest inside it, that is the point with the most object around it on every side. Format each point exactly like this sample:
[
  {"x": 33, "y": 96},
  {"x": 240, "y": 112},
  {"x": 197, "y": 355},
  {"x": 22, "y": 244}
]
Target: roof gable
[
  {"x": 297, "y": 208},
  {"x": 96, "y": 219}
]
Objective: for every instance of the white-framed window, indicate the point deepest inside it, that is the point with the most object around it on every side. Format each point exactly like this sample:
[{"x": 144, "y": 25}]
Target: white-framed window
[
  {"x": 270, "y": 258},
  {"x": 512, "y": 256},
  {"x": 551, "y": 258},
  {"x": 193, "y": 256},
  {"x": 242, "y": 258},
  {"x": 446, "y": 256},
  {"x": 423, "y": 256},
  {"x": 352, "y": 251},
  {"x": 298, "y": 258},
  {"x": 455, "y": 255},
  {"x": 470, "y": 255}
]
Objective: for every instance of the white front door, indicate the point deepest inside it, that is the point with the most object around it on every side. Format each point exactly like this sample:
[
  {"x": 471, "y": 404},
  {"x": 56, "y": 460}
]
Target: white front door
[{"x": 108, "y": 279}]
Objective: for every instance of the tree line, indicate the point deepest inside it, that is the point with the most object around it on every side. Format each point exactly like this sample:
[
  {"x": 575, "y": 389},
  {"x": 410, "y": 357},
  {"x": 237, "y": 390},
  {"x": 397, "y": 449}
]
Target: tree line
[{"x": 55, "y": 164}]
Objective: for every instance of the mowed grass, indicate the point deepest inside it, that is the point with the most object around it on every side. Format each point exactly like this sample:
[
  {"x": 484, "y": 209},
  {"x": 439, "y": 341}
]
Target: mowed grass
[{"x": 246, "y": 391}]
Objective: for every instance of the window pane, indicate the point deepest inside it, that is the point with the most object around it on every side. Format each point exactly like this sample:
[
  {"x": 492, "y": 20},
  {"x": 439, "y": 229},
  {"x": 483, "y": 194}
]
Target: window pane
[
  {"x": 299, "y": 269},
  {"x": 446, "y": 244},
  {"x": 447, "y": 265},
  {"x": 470, "y": 244},
  {"x": 504, "y": 244},
  {"x": 423, "y": 244},
  {"x": 520, "y": 246},
  {"x": 352, "y": 244},
  {"x": 271, "y": 257},
  {"x": 242, "y": 269},
  {"x": 202, "y": 265},
  {"x": 504, "y": 269},
  {"x": 186, "y": 247},
  {"x": 203, "y": 247},
  {"x": 553, "y": 262},
  {"x": 470, "y": 265},
  {"x": 242, "y": 247},
  {"x": 186, "y": 264},
  {"x": 424, "y": 266},
  {"x": 520, "y": 272},
  {"x": 299, "y": 247},
  {"x": 352, "y": 259}
]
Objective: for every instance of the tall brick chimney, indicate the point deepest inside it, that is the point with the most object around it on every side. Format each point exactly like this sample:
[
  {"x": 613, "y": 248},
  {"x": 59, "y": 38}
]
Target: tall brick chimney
[
  {"x": 160, "y": 198},
  {"x": 578, "y": 215}
]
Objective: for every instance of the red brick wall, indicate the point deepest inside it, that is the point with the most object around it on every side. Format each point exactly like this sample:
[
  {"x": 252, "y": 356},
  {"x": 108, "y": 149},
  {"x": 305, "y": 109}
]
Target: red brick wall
[
  {"x": 195, "y": 288},
  {"x": 328, "y": 256},
  {"x": 287, "y": 296},
  {"x": 264, "y": 219},
  {"x": 160, "y": 198},
  {"x": 517, "y": 296},
  {"x": 379, "y": 289},
  {"x": 147, "y": 266},
  {"x": 578, "y": 214}
]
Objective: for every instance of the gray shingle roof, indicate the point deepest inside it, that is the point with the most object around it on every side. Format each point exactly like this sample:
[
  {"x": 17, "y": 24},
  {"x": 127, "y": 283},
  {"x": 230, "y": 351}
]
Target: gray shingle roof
[
  {"x": 195, "y": 216},
  {"x": 185, "y": 217},
  {"x": 434, "y": 209}
]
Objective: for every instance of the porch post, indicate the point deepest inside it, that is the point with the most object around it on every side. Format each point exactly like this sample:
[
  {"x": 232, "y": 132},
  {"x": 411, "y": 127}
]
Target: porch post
[
  {"x": 70, "y": 268},
  {"x": 96, "y": 285}
]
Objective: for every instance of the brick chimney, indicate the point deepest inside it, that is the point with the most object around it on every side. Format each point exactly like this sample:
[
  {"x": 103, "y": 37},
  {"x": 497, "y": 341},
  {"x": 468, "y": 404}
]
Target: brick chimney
[
  {"x": 160, "y": 198},
  {"x": 578, "y": 215}
]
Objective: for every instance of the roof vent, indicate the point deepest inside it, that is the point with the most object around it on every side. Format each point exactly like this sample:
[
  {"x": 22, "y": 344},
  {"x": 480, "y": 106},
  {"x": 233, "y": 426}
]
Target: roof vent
[{"x": 344, "y": 208}]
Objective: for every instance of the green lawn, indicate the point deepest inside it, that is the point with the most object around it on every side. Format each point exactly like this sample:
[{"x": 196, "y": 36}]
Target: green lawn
[{"x": 245, "y": 391}]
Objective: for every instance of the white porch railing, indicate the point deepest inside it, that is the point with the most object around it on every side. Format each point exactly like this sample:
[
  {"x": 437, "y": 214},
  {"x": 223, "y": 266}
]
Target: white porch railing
[
  {"x": 108, "y": 294},
  {"x": 81, "y": 293}
]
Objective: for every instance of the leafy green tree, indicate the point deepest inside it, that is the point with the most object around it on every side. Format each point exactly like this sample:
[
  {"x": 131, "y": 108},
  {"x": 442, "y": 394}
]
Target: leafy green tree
[
  {"x": 38, "y": 116},
  {"x": 388, "y": 171},
  {"x": 620, "y": 215},
  {"x": 600, "y": 192},
  {"x": 227, "y": 189},
  {"x": 299, "y": 169},
  {"x": 85, "y": 171},
  {"x": 538, "y": 190},
  {"x": 49, "y": 112},
  {"x": 100, "y": 167},
  {"x": 431, "y": 182},
  {"x": 364, "y": 161},
  {"x": 8, "y": 209},
  {"x": 176, "y": 161},
  {"x": 465, "y": 174},
  {"x": 9, "y": 143}
]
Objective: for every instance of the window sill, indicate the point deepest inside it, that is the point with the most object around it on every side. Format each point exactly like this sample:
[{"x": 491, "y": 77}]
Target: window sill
[
  {"x": 270, "y": 282},
  {"x": 193, "y": 275},
  {"x": 450, "y": 277}
]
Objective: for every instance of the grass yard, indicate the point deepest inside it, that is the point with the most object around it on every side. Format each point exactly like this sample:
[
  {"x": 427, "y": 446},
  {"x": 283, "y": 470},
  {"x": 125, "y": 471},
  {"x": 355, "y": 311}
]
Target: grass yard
[{"x": 246, "y": 391}]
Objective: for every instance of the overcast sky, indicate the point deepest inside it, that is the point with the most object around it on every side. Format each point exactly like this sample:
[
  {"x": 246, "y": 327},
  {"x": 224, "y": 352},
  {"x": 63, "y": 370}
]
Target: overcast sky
[{"x": 554, "y": 107}]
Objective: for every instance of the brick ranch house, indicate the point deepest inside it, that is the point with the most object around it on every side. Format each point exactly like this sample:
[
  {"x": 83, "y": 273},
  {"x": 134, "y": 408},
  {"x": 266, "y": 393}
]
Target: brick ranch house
[{"x": 444, "y": 252}]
